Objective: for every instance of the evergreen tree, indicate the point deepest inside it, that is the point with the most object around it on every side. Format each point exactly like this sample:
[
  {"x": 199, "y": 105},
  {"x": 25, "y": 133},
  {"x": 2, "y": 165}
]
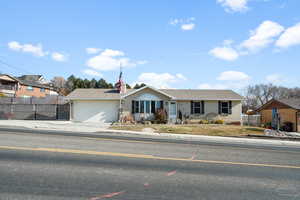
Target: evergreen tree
[
  {"x": 128, "y": 86},
  {"x": 102, "y": 83},
  {"x": 93, "y": 83},
  {"x": 137, "y": 86}
]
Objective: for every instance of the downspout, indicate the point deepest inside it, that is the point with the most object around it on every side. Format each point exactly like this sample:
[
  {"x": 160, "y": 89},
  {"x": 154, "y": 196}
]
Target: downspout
[
  {"x": 71, "y": 113},
  {"x": 297, "y": 114}
]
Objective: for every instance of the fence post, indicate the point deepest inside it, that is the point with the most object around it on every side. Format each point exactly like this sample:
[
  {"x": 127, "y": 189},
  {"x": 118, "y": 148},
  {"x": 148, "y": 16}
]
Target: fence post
[
  {"x": 56, "y": 111},
  {"x": 34, "y": 108}
]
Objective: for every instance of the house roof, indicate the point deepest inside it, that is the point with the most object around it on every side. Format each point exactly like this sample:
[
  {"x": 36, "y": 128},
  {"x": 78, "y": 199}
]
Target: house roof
[
  {"x": 30, "y": 80},
  {"x": 104, "y": 94},
  {"x": 197, "y": 94},
  {"x": 7, "y": 77},
  {"x": 150, "y": 87},
  {"x": 292, "y": 103},
  {"x": 31, "y": 77},
  {"x": 176, "y": 94}
]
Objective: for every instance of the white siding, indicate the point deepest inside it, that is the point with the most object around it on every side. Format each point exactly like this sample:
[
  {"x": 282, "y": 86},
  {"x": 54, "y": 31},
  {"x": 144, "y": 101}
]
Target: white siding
[{"x": 211, "y": 107}]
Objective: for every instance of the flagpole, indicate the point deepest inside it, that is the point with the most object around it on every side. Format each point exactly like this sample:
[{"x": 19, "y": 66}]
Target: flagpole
[{"x": 120, "y": 103}]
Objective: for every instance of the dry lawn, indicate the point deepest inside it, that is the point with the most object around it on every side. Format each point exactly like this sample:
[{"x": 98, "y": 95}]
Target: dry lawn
[{"x": 196, "y": 129}]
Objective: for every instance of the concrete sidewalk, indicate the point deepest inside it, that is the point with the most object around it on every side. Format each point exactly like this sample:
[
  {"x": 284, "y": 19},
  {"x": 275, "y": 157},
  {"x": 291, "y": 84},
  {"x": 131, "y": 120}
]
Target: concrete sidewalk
[{"x": 56, "y": 125}]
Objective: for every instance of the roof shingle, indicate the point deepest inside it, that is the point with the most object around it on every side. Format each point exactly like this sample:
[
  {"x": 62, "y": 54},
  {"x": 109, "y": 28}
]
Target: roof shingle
[
  {"x": 293, "y": 102},
  {"x": 178, "y": 94}
]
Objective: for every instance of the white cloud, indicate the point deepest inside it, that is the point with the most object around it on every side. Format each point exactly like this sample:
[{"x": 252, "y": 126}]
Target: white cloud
[
  {"x": 36, "y": 50},
  {"x": 174, "y": 21},
  {"x": 228, "y": 42},
  {"x": 234, "y": 5},
  {"x": 233, "y": 76},
  {"x": 111, "y": 60},
  {"x": 262, "y": 36},
  {"x": 185, "y": 24},
  {"x": 290, "y": 37},
  {"x": 15, "y": 46},
  {"x": 212, "y": 86},
  {"x": 225, "y": 53},
  {"x": 188, "y": 27},
  {"x": 163, "y": 80},
  {"x": 181, "y": 76},
  {"x": 228, "y": 80},
  {"x": 58, "y": 57},
  {"x": 92, "y": 50},
  {"x": 92, "y": 73},
  {"x": 112, "y": 53},
  {"x": 274, "y": 78}
]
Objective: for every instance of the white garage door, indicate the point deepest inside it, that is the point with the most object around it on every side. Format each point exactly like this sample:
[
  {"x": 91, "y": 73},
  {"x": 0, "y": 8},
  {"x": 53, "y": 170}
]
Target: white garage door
[{"x": 95, "y": 111}]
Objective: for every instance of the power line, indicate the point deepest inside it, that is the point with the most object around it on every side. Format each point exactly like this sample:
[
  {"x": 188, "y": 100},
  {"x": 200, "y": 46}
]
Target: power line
[{"x": 17, "y": 69}]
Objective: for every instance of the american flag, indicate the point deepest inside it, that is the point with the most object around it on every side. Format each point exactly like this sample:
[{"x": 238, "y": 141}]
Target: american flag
[{"x": 121, "y": 86}]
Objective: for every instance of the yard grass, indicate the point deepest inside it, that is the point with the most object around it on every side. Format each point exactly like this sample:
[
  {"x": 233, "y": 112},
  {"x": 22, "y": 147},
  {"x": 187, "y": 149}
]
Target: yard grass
[{"x": 196, "y": 129}]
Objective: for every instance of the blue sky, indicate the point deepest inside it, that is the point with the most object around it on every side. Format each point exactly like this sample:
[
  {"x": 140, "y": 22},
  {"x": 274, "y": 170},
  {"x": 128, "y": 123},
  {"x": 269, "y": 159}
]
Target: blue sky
[{"x": 175, "y": 43}]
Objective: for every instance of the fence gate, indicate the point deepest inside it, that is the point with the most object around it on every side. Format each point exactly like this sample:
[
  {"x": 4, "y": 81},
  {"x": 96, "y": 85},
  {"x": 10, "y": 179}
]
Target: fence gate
[{"x": 63, "y": 112}]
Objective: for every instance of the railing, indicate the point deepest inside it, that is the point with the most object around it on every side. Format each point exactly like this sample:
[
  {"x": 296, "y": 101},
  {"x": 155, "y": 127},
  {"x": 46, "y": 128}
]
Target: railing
[
  {"x": 7, "y": 87},
  {"x": 251, "y": 120}
]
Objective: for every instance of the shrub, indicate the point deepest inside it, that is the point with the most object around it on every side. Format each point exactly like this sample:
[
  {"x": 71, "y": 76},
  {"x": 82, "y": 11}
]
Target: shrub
[
  {"x": 236, "y": 123},
  {"x": 268, "y": 125},
  {"x": 219, "y": 121},
  {"x": 128, "y": 118},
  {"x": 161, "y": 116},
  {"x": 287, "y": 126},
  {"x": 203, "y": 122}
]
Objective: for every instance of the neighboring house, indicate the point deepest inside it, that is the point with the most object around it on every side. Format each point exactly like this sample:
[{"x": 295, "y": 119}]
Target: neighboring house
[
  {"x": 277, "y": 112},
  {"x": 25, "y": 86},
  {"x": 103, "y": 104}
]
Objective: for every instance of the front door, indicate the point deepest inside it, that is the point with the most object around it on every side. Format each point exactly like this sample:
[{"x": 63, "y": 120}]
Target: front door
[{"x": 172, "y": 111}]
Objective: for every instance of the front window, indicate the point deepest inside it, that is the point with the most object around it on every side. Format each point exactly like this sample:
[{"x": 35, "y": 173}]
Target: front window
[
  {"x": 42, "y": 89},
  {"x": 146, "y": 106},
  {"x": 197, "y": 107},
  {"x": 137, "y": 107},
  {"x": 153, "y": 108},
  {"x": 225, "y": 107},
  {"x": 29, "y": 88},
  {"x": 142, "y": 106}
]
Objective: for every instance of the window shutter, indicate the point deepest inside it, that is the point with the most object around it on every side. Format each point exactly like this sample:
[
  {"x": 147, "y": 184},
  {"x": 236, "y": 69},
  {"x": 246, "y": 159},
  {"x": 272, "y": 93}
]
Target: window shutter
[
  {"x": 192, "y": 107},
  {"x": 162, "y": 104},
  {"x": 202, "y": 107},
  {"x": 132, "y": 107},
  {"x": 230, "y": 107},
  {"x": 220, "y": 109}
]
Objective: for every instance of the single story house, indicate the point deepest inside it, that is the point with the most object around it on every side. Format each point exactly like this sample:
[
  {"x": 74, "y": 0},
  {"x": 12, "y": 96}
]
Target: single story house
[
  {"x": 25, "y": 86},
  {"x": 104, "y": 104},
  {"x": 277, "y": 112}
]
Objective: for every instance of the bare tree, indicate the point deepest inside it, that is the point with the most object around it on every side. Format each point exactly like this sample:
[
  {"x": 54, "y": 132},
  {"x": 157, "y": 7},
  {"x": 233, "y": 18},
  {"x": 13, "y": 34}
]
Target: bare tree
[
  {"x": 58, "y": 82},
  {"x": 259, "y": 94}
]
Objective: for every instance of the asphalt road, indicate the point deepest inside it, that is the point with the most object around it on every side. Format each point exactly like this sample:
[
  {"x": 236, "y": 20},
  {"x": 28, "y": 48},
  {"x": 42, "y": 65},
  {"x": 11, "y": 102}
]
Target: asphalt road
[{"x": 52, "y": 166}]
